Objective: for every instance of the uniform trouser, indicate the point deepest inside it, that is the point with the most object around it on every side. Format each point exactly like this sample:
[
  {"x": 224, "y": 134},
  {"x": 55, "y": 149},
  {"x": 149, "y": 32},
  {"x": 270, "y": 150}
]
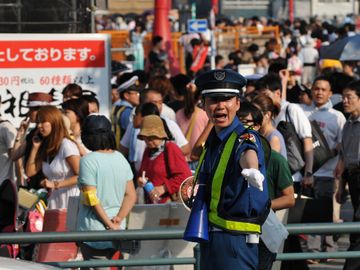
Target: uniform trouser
[
  {"x": 323, "y": 188},
  {"x": 353, "y": 180},
  {"x": 227, "y": 251},
  {"x": 266, "y": 257}
]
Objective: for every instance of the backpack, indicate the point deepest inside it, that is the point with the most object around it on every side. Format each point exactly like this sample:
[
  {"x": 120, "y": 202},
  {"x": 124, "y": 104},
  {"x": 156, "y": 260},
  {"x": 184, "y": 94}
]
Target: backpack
[
  {"x": 115, "y": 119},
  {"x": 294, "y": 145}
]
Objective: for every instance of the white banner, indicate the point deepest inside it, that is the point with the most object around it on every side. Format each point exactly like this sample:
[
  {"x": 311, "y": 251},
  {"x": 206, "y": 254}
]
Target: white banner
[{"x": 47, "y": 63}]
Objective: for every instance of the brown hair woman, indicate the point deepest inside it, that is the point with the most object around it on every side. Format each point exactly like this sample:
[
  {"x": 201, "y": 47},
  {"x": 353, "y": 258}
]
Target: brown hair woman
[{"x": 57, "y": 155}]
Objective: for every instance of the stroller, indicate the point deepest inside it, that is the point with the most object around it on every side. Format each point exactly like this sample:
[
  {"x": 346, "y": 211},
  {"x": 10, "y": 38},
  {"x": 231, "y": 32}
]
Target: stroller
[{"x": 8, "y": 216}]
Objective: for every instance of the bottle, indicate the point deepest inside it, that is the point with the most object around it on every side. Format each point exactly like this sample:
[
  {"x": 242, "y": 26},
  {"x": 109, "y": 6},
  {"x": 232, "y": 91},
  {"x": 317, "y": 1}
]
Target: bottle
[{"x": 148, "y": 187}]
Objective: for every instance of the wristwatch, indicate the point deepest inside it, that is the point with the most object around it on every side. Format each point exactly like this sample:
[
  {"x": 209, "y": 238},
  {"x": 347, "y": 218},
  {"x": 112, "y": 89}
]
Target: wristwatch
[{"x": 308, "y": 174}]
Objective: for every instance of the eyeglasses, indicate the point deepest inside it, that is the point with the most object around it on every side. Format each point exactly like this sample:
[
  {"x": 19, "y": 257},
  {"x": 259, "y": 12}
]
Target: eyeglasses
[{"x": 350, "y": 97}]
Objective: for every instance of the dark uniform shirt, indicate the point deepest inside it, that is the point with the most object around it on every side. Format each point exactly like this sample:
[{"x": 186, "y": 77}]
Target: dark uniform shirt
[{"x": 238, "y": 200}]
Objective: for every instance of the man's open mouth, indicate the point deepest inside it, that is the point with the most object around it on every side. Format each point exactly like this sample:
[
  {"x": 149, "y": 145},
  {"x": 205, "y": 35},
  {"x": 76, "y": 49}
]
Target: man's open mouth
[{"x": 220, "y": 116}]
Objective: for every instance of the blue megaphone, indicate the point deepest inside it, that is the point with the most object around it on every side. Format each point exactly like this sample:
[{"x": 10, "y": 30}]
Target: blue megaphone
[{"x": 197, "y": 228}]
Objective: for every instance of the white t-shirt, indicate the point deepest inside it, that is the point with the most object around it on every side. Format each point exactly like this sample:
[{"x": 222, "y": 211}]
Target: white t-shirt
[
  {"x": 331, "y": 123},
  {"x": 58, "y": 169},
  {"x": 299, "y": 120},
  {"x": 7, "y": 139},
  {"x": 167, "y": 112},
  {"x": 131, "y": 134}
]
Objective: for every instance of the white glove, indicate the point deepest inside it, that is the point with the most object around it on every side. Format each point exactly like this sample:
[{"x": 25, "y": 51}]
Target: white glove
[{"x": 254, "y": 178}]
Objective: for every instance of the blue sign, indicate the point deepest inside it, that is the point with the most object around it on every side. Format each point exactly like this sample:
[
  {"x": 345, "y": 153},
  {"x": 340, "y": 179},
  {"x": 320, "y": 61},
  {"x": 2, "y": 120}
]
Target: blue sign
[{"x": 197, "y": 26}]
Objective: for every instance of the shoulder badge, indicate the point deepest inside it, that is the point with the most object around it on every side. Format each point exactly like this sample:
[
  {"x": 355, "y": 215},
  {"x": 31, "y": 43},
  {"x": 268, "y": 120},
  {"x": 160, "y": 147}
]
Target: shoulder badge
[
  {"x": 248, "y": 137},
  {"x": 219, "y": 75}
]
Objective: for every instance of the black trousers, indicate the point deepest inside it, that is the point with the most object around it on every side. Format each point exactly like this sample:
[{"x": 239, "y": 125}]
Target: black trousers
[{"x": 353, "y": 179}]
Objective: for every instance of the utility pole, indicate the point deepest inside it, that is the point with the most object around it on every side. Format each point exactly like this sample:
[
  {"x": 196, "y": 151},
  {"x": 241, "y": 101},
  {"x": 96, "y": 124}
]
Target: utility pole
[
  {"x": 162, "y": 28},
  {"x": 291, "y": 10}
]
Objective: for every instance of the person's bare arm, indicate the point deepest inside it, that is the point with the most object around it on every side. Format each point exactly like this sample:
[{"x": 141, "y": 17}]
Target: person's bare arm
[
  {"x": 18, "y": 150},
  {"x": 31, "y": 168},
  {"x": 199, "y": 145},
  {"x": 309, "y": 160},
  {"x": 19, "y": 146},
  {"x": 275, "y": 144},
  {"x": 286, "y": 200},
  {"x": 127, "y": 204},
  {"x": 249, "y": 159},
  {"x": 74, "y": 163},
  {"x": 185, "y": 149}
]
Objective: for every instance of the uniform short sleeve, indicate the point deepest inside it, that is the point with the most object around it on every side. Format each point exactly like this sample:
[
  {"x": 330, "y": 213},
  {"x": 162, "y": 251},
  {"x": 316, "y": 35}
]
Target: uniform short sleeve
[{"x": 249, "y": 141}]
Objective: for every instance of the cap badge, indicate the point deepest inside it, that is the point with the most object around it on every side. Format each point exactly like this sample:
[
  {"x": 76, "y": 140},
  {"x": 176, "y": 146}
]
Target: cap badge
[{"x": 219, "y": 75}]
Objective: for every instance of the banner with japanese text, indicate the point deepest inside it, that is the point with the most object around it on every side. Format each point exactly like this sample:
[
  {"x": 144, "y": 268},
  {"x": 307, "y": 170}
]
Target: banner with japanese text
[{"x": 47, "y": 63}]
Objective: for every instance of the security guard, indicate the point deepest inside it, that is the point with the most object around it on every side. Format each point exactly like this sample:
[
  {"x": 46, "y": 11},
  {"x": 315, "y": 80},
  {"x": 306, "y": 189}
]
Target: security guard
[
  {"x": 129, "y": 92},
  {"x": 232, "y": 167}
]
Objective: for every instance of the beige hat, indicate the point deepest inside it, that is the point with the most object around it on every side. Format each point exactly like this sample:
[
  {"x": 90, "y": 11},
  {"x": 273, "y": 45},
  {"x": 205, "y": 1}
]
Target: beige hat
[{"x": 152, "y": 125}]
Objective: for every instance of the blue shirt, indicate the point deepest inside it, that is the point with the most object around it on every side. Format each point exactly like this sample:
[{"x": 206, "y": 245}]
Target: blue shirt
[{"x": 125, "y": 115}]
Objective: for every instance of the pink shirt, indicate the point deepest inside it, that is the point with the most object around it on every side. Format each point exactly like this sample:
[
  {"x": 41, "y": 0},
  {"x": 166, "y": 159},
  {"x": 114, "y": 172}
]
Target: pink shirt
[{"x": 201, "y": 121}]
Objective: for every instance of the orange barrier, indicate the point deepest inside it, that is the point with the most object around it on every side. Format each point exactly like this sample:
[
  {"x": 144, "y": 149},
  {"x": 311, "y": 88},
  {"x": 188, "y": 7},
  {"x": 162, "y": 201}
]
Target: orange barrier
[{"x": 234, "y": 37}]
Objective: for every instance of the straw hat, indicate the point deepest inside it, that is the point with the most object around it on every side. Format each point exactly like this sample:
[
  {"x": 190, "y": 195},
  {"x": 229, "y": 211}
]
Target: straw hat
[
  {"x": 38, "y": 99},
  {"x": 152, "y": 125}
]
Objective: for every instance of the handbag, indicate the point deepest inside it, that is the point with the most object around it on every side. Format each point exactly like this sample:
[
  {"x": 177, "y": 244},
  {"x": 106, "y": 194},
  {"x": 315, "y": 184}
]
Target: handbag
[
  {"x": 310, "y": 210},
  {"x": 322, "y": 152},
  {"x": 27, "y": 199},
  {"x": 294, "y": 146}
]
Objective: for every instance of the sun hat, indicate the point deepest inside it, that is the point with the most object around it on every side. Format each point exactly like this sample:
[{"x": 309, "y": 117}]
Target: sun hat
[
  {"x": 152, "y": 125},
  {"x": 38, "y": 99}
]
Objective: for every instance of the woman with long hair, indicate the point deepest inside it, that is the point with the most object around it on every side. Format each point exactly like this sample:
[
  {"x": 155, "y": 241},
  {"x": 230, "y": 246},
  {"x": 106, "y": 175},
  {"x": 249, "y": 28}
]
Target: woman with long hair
[
  {"x": 137, "y": 37},
  {"x": 57, "y": 155},
  {"x": 76, "y": 110},
  {"x": 192, "y": 120},
  {"x": 270, "y": 110}
]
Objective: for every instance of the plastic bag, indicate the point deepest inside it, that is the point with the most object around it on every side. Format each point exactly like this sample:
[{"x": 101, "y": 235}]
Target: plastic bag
[{"x": 273, "y": 232}]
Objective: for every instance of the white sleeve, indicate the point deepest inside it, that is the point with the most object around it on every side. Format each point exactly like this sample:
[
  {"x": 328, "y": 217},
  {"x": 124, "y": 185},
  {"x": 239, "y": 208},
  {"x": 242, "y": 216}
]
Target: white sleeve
[
  {"x": 341, "y": 120},
  {"x": 125, "y": 140},
  {"x": 9, "y": 135},
  {"x": 69, "y": 148},
  {"x": 300, "y": 121},
  {"x": 179, "y": 137}
]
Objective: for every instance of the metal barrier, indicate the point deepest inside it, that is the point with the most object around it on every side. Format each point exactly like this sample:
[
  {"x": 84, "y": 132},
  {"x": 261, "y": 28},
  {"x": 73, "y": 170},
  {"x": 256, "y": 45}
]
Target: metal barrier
[{"x": 56, "y": 237}]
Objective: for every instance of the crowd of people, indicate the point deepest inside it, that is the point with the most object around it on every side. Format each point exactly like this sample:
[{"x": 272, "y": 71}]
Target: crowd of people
[{"x": 162, "y": 128}]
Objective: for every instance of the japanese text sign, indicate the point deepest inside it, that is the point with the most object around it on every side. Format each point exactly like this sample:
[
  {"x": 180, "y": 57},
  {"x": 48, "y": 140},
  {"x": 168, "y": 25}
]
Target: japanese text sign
[{"x": 47, "y": 63}]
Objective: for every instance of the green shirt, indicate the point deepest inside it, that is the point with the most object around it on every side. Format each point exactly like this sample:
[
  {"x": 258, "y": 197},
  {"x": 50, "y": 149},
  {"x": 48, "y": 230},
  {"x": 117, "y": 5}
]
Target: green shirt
[{"x": 278, "y": 174}]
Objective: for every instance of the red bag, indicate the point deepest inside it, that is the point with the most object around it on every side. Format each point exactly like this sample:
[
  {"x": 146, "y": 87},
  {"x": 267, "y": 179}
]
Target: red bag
[{"x": 35, "y": 222}]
